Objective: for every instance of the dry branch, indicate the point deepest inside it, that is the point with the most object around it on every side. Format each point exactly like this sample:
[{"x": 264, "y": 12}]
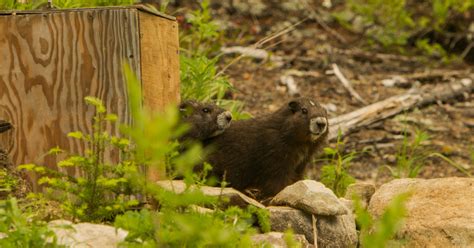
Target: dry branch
[
  {"x": 347, "y": 85},
  {"x": 394, "y": 105}
]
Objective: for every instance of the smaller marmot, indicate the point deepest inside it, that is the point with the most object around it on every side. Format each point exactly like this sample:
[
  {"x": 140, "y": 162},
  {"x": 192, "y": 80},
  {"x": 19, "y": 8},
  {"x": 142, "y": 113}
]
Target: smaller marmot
[
  {"x": 268, "y": 153},
  {"x": 205, "y": 120}
]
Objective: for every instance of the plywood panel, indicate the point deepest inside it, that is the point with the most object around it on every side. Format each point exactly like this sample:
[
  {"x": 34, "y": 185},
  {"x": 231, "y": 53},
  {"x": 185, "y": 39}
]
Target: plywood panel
[
  {"x": 50, "y": 61},
  {"x": 159, "y": 60}
]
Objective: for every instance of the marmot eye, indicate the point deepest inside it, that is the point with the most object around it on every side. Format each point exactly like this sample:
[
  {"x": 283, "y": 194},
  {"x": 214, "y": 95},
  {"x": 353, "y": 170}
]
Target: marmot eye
[
  {"x": 304, "y": 111},
  {"x": 206, "y": 110}
]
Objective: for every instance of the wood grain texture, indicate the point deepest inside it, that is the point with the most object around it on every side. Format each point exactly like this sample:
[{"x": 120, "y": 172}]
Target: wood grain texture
[
  {"x": 159, "y": 68},
  {"x": 159, "y": 60},
  {"x": 49, "y": 62}
]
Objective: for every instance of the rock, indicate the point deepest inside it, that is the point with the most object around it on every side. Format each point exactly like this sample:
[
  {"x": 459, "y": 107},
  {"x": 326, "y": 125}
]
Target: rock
[
  {"x": 440, "y": 212},
  {"x": 363, "y": 191},
  {"x": 282, "y": 218},
  {"x": 277, "y": 239},
  {"x": 337, "y": 231},
  {"x": 86, "y": 234},
  {"x": 311, "y": 197},
  {"x": 333, "y": 231},
  {"x": 236, "y": 198},
  {"x": 348, "y": 204}
]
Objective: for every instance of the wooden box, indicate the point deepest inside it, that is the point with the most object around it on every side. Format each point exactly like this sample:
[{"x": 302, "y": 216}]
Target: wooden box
[{"x": 50, "y": 60}]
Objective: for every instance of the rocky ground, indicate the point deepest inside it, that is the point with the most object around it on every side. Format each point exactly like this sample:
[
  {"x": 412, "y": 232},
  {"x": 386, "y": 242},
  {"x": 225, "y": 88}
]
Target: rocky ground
[{"x": 300, "y": 61}]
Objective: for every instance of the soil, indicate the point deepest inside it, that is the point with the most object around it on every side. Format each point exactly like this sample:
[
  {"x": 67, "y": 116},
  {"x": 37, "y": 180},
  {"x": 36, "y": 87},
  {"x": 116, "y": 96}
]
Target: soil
[{"x": 310, "y": 49}]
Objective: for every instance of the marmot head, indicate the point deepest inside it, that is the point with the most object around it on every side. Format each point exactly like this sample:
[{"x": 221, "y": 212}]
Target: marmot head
[
  {"x": 206, "y": 119},
  {"x": 306, "y": 119}
]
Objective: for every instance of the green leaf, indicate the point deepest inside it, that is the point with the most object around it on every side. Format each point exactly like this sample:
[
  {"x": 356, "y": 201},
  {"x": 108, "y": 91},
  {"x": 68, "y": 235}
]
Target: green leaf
[
  {"x": 54, "y": 151},
  {"x": 76, "y": 135}
]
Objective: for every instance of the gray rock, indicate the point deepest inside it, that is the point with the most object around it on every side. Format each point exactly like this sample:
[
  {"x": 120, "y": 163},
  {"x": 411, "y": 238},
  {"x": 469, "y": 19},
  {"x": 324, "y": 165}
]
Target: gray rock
[
  {"x": 277, "y": 240},
  {"x": 363, "y": 191},
  {"x": 333, "y": 231},
  {"x": 348, "y": 204},
  {"x": 283, "y": 218},
  {"x": 440, "y": 212},
  {"x": 86, "y": 234},
  {"x": 236, "y": 198},
  {"x": 310, "y": 196},
  {"x": 337, "y": 231}
]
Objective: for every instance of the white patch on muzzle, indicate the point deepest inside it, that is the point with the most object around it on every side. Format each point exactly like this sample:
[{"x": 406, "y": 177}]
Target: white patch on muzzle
[
  {"x": 223, "y": 122},
  {"x": 318, "y": 126}
]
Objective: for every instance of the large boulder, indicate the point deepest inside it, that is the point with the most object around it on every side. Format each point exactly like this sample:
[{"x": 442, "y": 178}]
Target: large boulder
[
  {"x": 332, "y": 231},
  {"x": 236, "y": 198},
  {"x": 87, "y": 234},
  {"x": 440, "y": 212},
  {"x": 312, "y": 197},
  {"x": 278, "y": 240}
]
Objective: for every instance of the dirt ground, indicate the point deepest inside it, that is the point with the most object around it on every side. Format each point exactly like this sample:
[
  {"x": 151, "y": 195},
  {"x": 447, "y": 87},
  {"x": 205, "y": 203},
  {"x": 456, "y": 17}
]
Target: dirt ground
[{"x": 306, "y": 54}]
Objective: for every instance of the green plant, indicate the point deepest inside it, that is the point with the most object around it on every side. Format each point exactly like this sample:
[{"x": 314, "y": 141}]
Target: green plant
[
  {"x": 334, "y": 174},
  {"x": 20, "y": 230},
  {"x": 8, "y": 183},
  {"x": 379, "y": 232},
  {"x": 176, "y": 223},
  {"x": 101, "y": 189},
  {"x": 392, "y": 23},
  {"x": 412, "y": 155},
  {"x": 199, "y": 75},
  {"x": 202, "y": 35},
  {"x": 388, "y": 22},
  {"x": 290, "y": 239}
]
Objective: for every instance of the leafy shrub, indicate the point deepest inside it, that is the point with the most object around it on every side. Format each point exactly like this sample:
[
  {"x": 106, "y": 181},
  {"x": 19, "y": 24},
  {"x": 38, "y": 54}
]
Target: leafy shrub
[
  {"x": 392, "y": 23},
  {"x": 334, "y": 174},
  {"x": 101, "y": 189},
  {"x": 20, "y": 230}
]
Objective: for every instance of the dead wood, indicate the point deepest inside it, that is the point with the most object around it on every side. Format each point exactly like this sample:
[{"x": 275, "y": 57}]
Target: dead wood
[
  {"x": 347, "y": 85},
  {"x": 375, "y": 112}
]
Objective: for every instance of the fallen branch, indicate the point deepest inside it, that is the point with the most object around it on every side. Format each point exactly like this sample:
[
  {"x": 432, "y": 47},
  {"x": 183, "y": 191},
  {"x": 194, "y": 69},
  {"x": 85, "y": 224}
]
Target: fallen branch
[
  {"x": 347, "y": 85},
  {"x": 394, "y": 105},
  {"x": 315, "y": 231}
]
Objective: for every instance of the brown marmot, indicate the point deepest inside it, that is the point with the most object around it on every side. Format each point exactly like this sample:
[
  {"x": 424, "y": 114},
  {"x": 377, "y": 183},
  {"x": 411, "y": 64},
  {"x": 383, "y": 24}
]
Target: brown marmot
[
  {"x": 206, "y": 120},
  {"x": 268, "y": 153}
]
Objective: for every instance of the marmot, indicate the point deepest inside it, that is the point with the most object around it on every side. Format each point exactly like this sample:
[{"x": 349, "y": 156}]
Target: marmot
[
  {"x": 206, "y": 120},
  {"x": 268, "y": 153}
]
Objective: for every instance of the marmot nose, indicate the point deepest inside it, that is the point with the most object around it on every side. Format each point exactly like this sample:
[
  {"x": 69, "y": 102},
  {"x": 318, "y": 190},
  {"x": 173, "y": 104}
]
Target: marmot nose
[
  {"x": 319, "y": 125},
  {"x": 228, "y": 116}
]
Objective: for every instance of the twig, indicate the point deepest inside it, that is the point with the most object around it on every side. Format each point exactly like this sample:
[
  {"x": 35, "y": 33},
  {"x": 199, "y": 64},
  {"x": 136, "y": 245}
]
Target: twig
[
  {"x": 315, "y": 231},
  {"x": 347, "y": 84}
]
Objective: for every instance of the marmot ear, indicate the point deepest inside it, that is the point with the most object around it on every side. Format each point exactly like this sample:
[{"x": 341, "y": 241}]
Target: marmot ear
[{"x": 294, "y": 106}]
